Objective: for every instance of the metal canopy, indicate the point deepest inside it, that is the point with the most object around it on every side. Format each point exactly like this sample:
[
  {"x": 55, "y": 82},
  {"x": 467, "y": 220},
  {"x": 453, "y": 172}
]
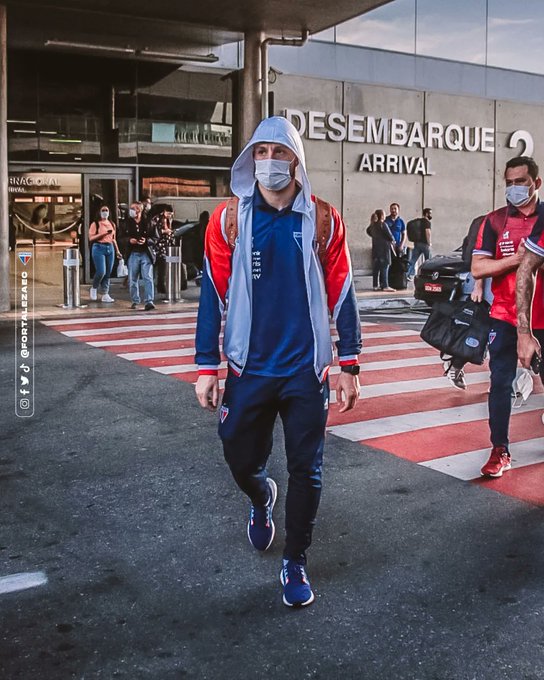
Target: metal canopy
[{"x": 169, "y": 24}]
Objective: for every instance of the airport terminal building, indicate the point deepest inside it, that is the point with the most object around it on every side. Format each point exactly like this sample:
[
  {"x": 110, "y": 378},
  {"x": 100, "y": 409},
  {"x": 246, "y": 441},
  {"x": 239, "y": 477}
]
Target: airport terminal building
[{"x": 389, "y": 110}]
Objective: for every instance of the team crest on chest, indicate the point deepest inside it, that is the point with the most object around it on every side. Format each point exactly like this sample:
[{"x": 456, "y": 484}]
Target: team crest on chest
[{"x": 297, "y": 235}]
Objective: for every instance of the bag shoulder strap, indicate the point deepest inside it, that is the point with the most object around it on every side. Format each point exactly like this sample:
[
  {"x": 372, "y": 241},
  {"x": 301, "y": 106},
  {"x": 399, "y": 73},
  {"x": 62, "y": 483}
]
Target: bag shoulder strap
[{"x": 322, "y": 227}]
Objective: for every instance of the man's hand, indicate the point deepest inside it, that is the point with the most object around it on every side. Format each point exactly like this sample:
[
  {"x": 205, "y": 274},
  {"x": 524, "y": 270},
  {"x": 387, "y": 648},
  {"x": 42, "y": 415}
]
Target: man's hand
[
  {"x": 477, "y": 294},
  {"x": 347, "y": 391},
  {"x": 527, "y": 346},
  {"x": 207, "y": 391}
]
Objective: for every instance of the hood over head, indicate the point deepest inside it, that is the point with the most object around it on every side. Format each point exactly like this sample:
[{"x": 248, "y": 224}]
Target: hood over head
[{"x": 276, "y": 130}]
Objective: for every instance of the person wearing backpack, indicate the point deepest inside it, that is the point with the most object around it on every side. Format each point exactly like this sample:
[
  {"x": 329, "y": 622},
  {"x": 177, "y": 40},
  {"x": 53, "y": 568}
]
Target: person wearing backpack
[
  {"x": 277, "y": 269},
  {"x": 419, "y": 232},
  {"x": 499, "y": 251}
]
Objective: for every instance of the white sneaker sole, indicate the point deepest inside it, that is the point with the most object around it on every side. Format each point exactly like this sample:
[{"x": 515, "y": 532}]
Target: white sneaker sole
[
  {"x": 296, "y": 604},
  {"x": 497, "y": 474},
  {"x": 274, "y": 489}
]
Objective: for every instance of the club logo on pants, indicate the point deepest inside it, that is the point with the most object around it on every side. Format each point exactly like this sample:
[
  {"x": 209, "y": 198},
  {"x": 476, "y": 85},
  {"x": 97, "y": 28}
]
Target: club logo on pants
[{"x": 223, "y": 413}]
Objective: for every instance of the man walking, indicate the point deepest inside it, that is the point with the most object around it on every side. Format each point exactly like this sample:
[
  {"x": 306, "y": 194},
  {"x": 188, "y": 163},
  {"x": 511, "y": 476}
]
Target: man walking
[
  {"x": 277, "y": 267},
  {"x": 419, "y": 232},
  {"x": 499, "y": 250}
]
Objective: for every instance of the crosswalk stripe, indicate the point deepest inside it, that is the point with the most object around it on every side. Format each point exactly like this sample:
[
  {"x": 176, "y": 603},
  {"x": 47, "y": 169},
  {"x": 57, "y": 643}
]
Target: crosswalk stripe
[
  {"x": 124, "y": 329},
  {"x": 410, "y": 422},
  {"x": 466, "y": 466},
  {"x": 98, "y": 320},
  {"x": 141, "y": 341}
]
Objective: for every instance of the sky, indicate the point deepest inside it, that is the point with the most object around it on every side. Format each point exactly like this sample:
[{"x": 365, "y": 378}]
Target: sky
[{"x": 455, "y": 29}]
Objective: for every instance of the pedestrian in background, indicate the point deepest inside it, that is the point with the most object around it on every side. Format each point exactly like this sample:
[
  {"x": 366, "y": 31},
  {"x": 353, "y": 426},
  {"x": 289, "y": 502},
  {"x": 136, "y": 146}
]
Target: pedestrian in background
[
  {"x": 419, "y": 232},
  {"x": 382, "y": 245},
  {"x": 141, "y": 257},
  {"x": 164, "y": 238},
  {"x": 397, "y": 227},
  {"x": 278, "y": 346},
  {"x": 104, "y": 250}
]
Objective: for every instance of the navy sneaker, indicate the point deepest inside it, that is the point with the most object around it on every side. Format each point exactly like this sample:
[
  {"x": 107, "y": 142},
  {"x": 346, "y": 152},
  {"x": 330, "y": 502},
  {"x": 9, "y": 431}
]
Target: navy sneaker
[
  {"x": 260, "y": 528},
  {"x": 296, "y": 586}
]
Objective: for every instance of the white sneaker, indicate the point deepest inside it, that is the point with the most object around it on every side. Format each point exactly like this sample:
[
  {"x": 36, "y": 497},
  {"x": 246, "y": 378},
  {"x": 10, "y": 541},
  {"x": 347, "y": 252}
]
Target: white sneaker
[
  {"x": 107, "y": 298},
  {"x": 456, "y": 376},
  {"x": 92, "y": 293}
]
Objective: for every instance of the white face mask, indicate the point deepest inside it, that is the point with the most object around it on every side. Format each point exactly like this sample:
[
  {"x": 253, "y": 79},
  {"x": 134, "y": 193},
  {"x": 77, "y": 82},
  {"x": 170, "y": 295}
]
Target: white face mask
[
  {"x": 518, "y": 195},
  {"x": 104, "y": 214},
  {"x": 273, "y": 174},
  {"x": 132, "y": 212}
]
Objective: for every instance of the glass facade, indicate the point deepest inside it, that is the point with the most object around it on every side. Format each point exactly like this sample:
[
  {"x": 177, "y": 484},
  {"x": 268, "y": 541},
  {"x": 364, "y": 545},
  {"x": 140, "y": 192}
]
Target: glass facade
[
  {"x": 61, "y": 110},
  {"x": 498, "y": 33}
]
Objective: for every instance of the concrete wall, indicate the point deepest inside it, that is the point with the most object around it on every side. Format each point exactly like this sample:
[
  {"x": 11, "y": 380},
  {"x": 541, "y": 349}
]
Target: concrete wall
[{"x": 463, "y": 185}]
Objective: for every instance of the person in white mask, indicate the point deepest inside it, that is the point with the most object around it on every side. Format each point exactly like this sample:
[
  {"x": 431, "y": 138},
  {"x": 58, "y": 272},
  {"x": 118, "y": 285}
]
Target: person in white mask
[
  {"x": 277, "y": 269},
  {"x": 499, "y": 250},
  {"x": 104, "y": 250}
]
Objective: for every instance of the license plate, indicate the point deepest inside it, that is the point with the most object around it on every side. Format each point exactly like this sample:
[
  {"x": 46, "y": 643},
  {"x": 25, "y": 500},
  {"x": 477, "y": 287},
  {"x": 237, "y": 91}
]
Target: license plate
[{"x": 433, "y": 287}]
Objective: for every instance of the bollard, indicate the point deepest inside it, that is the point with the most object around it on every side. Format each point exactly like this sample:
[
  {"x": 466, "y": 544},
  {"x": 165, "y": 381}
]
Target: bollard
[
  {"x": 70, "y": 271},
  {"x": 173, "y": 273}
]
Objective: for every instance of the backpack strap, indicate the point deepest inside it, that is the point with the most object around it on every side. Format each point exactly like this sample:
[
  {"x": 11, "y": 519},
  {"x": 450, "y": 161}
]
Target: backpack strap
[
  {"x": 322, "y": 227},
  {"x": 231, "y": 221}
]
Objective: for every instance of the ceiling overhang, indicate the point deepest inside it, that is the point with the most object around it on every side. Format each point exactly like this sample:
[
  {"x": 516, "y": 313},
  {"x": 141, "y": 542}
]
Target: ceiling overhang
[{"x": 138, "y": 26}]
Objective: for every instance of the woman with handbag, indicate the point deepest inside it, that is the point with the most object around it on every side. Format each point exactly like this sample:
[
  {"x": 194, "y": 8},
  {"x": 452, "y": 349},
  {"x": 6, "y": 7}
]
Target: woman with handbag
[
  {"x": 104, "y": 250},
  {"x": 383, "y": 243}
]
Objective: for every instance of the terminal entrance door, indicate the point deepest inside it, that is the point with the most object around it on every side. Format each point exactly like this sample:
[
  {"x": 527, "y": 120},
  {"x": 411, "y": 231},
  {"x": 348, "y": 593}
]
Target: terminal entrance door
[{"x": 114, "y": 189}]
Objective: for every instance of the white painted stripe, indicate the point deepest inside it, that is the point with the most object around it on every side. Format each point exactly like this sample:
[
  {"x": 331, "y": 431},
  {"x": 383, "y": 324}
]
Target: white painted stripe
[
  {"x": 467, "y": 465},
  {"x": 163, "y": 354},
  {"x": 180, "y": 368},
  {"x": 108, "y": 319},
  {"x": 398, "y": 347},
  {"x": 15, "y": 582},
  {"x": 411, "y": 422},
  {"x": 374, "y": 366},
  {"x": 141, "y": 341},
  {"x": 390, "y": 334},
  {"x": 401, "y": 363},
  {"x": 386, "y": 389},
  {"x": 125, "y": 329}
]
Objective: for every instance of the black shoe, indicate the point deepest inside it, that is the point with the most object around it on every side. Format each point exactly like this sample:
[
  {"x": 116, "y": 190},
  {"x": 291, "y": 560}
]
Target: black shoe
[
  {"x": 134, "y": 305},
  {"x": 149, "y": 306}
]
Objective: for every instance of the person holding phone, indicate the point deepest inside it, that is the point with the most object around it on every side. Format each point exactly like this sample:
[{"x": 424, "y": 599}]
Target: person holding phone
[
  {"x": 104, "y": 249},
  {"x": 140, "y": 258}
]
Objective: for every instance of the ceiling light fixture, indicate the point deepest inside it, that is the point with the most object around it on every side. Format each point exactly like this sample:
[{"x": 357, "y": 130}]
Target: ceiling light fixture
[
  {"x": 203, "y": 58},
  {"x": 89, "y": 46}
]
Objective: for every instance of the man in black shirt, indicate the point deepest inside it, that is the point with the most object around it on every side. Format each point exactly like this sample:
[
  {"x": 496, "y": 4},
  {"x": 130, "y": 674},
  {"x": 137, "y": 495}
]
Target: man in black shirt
[
  {"x": 419, "y": 232},
  {"x": 140, "y": 258}
]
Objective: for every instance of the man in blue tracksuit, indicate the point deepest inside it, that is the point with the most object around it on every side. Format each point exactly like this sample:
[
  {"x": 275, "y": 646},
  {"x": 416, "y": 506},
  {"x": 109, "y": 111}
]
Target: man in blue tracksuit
[{"x": 277, "y": 280}]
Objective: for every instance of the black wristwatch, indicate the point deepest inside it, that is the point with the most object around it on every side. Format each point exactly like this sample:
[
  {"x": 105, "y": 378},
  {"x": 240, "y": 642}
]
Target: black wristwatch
[{"x": 352, "y": 369}]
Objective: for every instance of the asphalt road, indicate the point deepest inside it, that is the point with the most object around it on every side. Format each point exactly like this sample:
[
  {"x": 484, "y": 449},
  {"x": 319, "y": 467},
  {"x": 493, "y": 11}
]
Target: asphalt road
[{"x": 117, "y": 490}]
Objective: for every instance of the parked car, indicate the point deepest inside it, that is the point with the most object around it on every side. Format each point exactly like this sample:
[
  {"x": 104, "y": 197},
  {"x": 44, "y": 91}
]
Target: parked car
[{"x": 441, "y": 278}]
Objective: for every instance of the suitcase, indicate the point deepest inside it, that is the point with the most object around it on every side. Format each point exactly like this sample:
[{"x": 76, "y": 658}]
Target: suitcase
[{"x": 398, "y": 277}]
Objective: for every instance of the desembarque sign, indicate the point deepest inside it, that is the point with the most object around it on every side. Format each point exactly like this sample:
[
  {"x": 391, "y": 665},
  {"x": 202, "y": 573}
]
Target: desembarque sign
[{"x": 338, "y": 127}]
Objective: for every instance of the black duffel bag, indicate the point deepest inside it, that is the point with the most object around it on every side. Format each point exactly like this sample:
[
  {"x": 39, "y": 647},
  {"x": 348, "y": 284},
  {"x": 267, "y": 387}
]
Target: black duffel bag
[{"x": 459, "y": 328}]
